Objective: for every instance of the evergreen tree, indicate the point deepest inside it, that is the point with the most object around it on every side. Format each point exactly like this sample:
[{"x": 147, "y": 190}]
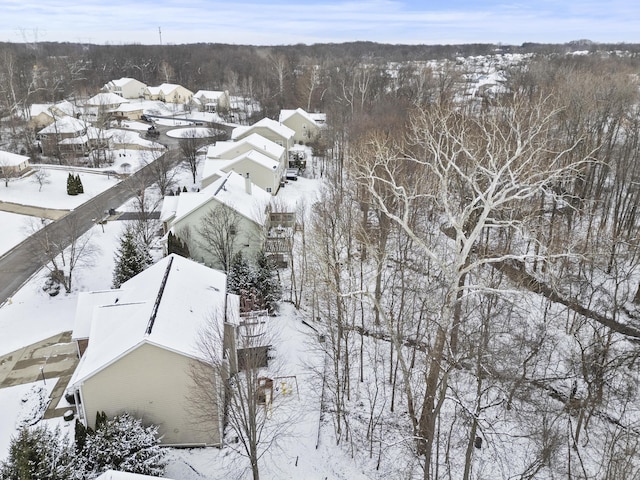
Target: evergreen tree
[
  {"x": 38, "y": 453},
  {"x": 78, "y": 184},
  {"x": 71, "y": 185},
  {"x": 241, "y": 277},
  {"x": 131, "y": 258},
  {"x": 267, "y": 284},
  {"x": 123, "y": 444}
]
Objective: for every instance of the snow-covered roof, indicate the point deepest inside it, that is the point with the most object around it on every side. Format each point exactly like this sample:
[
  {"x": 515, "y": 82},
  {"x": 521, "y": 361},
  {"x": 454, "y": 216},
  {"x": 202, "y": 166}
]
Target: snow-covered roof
[
  {"x": 129, "y": 107},
  {"x": 286, "y": 114},
  {"x": 255, "y": 141},
  {"x": 165, "y": 88},
  {"x": 115, "y": 475},
  {"x": 65, "y": 125},
  {"x": 11, "y": 159},
  {"x": 276, "y": 127},
  {"x": 87, "y": 301},
  {"x": 64, "y": 107},
  {"x": 107, "y": 98},
  {"x": 123, "y": 81},
  {"x": 230, "y": 190},
  {"x": 208, "y": 94},
  {"x": 211, "y": 165},
  {"x": 166, "y": 305}
]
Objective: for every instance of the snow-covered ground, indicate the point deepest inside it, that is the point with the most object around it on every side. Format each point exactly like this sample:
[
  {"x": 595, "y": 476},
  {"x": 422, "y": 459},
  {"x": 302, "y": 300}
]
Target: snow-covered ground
[{"x": 32, "y": 315}]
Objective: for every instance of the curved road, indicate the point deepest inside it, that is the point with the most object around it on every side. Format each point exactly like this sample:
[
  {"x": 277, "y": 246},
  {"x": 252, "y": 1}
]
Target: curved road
[{"x": 28, "y": 257}]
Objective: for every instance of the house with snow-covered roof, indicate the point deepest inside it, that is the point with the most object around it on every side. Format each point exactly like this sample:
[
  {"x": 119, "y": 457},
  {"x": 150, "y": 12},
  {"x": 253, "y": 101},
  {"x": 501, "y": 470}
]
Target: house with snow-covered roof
[
  {"x": 269, "y": 129},
  {"x": 44, "y": 114},
  {"x": 306, "y": 127},
  {"x": 211, "y": 100},
  {"x": 66, "y": 135},
  {"x": 169, "y": 93},
  {"x": 12, "y": 164},
  {"x": 126, "y": 88},
  {"x": 264, "y": 171},
  {"x": 228, "y": 150},
  {"x": 142, "y": 342},
  {"x": 245, "y": 203}
]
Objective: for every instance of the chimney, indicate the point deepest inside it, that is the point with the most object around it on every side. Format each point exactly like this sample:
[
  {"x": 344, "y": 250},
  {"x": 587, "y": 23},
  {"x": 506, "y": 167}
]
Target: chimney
[{"x": 247, "y": 184}]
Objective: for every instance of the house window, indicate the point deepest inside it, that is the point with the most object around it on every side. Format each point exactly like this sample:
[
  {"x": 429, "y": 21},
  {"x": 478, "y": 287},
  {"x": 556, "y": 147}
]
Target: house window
[
  {"x": 269, "y": 189},
  {"x": 232, "y": 230}
]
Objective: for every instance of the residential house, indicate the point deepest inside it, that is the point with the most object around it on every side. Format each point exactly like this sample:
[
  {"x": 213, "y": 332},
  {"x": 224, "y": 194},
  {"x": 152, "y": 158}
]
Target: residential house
[
  {"x": 44, "y": 114},
  {"x": 183, "y": 214},
  {"x": 265, "y": 171},
  {"x": 126, "y": 87},
  {"x": 211, "y": 100},
  {"x": 228, "y": 150},
  {"x": 128, "y": 111},
  {"x": 141, "y": 342},
  {"x": 169, "y": 93},
  {"x": 12, "y": 164},
  {"x": 269, "y": 129},
  {"x": 65, "y": 136},
  {"x": 306, "y": 127}
]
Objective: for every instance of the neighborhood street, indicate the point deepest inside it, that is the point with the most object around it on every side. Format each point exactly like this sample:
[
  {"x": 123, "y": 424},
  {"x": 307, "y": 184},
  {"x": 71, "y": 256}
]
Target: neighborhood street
[{"x": 28, "y": 257}]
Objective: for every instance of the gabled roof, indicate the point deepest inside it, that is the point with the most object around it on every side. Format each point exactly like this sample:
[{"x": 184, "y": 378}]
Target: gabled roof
[
  {"x": 166, "y": 305},
  {"x": 165, "y": 88},
  {"x": 209, "y": 94},
  {"x": 107, "y": 98},
  {"x": 255, "y": 141},
  {"x": 65, "y": 125},
  {"x": 276, "y": 127},
  {"x": 230, "y": 190},
  {"x": 123, "y": 81},
  {"x": 210, "y": 166},
  {"x": 11, "y": 159},
  {"x": 63, "y": 107}
]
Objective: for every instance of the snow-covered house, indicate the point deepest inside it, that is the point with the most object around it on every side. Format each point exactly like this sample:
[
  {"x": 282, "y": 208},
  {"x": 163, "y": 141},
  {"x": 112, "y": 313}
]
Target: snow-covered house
[
  {"x": 142, "y": 344},
  {"x": 263, "y": 171},
  {"x": 211, "y": 100},
  {"x": 269, "y": 129},
  {"x": 183, "y": 214},
  {"x": 44, "y": 114},
  {"x": 126, "y": 87},
  {"x": 12, "y": 164},
  {"x": 230, "y": 150},
  {"x": 169, "y": 92},
  {"x": 128, "y": 111},
  {"x": 106, "y": 100},
  {"x": 307, "y": 127},
  {"x": 66, "y": 135}
]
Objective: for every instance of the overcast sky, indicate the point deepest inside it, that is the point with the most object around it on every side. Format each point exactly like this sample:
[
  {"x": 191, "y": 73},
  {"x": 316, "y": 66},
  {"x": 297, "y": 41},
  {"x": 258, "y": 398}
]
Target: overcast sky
[{"x": 284, "y": 22}]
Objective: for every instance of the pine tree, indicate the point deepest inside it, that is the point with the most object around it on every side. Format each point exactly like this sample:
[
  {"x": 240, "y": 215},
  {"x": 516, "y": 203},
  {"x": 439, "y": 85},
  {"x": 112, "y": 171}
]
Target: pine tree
[
  {"x": 38, "y": 453},
  {"x": 131, "y": 258},
  {"x": 78, "y": 184},
  {"x": 267, "y": 285},
  {"x": 241, "y": 277},
  {"x": 71, "y": 185},
  {"x": 123, "y": 444}
]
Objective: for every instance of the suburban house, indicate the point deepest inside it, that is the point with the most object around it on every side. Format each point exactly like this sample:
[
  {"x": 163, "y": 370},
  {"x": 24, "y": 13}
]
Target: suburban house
[
  {"x": 126, "y": 88},
  {"x": 44, "y": 114},
  {"x": 139, "y": 344},
  {"x": 105, "y": 101},
  {"x": 12, "y": 164},
  {"x": 66, "y": 135},
  {"x": 169, "y": 92},
  {"x": 211, "y": 100},
  {"x": 264, "y": 171},
  {"x": 128, "y": 111},
  {"x": 247, "y": 203},
  {"x": 307, "y": 127},
  {"x": 269, "y": 129},
  {"x": 228, "y": 150}
]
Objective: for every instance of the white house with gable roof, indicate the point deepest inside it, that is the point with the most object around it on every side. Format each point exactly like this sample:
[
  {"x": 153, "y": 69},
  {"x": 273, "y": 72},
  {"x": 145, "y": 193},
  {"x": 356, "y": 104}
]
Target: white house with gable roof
[
  {"x": 126, "y": 87},
  {"x": 269, "y": 129},
  {"x": 183, "y": 215},
  {"x": 307, "y": 127},
  {"x": 141, "y": 343}
]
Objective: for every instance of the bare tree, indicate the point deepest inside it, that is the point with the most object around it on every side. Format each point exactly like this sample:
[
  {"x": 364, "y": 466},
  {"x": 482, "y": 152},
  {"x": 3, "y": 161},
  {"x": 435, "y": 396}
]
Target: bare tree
[
  {"x": 162, "y": 169},
  {"x": 257, "y": 414},
  {"x": 66, "y": 248},
  {"x": 218, "y": 231},
  {"x": 189, "y": 145},
  {"x": 41, "y": 177}
]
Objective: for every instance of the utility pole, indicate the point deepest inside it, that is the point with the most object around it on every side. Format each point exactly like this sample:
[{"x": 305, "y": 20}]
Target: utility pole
[{"x": 160, "y": 33}]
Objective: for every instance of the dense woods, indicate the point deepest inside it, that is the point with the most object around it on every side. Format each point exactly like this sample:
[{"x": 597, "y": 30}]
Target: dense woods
[{"x": 472, "y": 262}]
